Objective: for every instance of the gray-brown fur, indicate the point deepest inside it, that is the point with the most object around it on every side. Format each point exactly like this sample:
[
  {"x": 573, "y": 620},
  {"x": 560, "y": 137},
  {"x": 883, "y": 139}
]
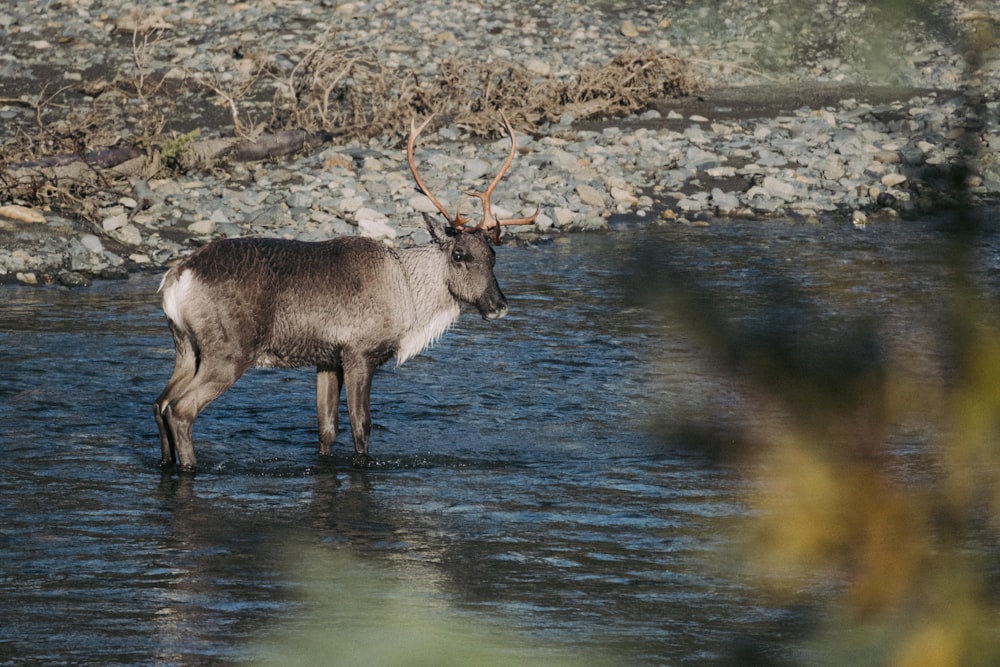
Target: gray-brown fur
[{"x": 345, "y": 306}]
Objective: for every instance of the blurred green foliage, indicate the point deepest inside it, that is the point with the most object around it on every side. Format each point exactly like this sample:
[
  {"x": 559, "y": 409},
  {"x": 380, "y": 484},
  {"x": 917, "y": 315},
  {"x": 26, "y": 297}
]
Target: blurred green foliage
[
  {"x": 904, "y": 573},
  {"x": 361, "y": 613}
]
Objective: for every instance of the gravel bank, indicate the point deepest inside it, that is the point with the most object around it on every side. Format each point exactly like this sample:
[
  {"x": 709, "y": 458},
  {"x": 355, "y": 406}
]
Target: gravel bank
[{"x": 836, "y": 114}]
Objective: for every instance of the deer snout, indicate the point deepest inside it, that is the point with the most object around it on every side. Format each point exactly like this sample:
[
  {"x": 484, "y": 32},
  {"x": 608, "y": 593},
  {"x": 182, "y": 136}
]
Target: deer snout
[{"x": 495, "y": 314}]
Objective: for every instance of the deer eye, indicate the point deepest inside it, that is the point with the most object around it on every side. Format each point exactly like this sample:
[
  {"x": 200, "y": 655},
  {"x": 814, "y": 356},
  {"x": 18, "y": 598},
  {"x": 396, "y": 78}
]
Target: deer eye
[{"x": 458, "y": 257}]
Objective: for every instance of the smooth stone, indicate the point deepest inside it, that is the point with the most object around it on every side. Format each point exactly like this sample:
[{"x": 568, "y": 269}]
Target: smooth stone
[
  {"x": 114, "y": 222},
  {"x": 92, "y": 243},
  {"x": 590, "y": 195},
  {"x": 204, "y": 227}
]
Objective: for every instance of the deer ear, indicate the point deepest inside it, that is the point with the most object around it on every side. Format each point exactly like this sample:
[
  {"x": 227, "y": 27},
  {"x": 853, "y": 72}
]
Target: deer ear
[{"x": 438, "y": 230}]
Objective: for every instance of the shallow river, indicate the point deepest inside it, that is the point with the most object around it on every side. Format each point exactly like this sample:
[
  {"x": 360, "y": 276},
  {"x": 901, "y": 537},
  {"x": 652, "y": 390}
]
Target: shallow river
[{"x": 521, "y": 482}]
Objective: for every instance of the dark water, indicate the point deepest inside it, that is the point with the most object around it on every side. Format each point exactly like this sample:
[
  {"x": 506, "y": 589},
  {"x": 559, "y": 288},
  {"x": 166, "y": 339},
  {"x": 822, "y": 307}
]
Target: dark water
[{"x": 519, "y": 473}]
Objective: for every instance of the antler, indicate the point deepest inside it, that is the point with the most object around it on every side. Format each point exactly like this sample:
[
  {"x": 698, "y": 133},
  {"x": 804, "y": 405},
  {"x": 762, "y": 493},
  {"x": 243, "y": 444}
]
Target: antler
[
  {"x": 490, "y": 224},
  {"x": 458, "y": 221}
]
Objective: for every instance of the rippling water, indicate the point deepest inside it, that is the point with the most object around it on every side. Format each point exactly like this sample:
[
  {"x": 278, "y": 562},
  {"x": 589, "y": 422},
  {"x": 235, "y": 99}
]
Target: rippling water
[{"x": 519, "y": 469}]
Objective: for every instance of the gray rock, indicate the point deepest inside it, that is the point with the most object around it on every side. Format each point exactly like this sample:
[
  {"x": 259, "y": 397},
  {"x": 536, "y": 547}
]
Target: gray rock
[
  {"x": 776, "y": 187},
  {"x": 92, "y": 243},
  {"x": 219, "y": 216},
  {"x": 373, "y": 224},
  {"x": 73, "y": 279},
  {"x": 114, "y": 222},
  {"x": 202, "y": 227},
  {"x": 476, "y": 169},
  {"x": 229, "y": 230},
  {"x": 690, "y": 204},
  {"x": 590, "y": 195},
  {"x": 275, "y": 215},
  {"x": 725, "y": 202},
  {"x": 699, "y": 158}
]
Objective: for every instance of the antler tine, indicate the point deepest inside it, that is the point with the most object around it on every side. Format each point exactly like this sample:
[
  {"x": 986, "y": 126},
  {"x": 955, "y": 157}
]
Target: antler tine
[
  {"x": 458, "y": 220},
  {"x": 490, "y": 223},
  {"x": 510, "y": 156}
]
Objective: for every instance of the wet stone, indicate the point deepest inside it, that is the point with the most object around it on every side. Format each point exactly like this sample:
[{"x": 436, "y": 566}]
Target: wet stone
[{"x": 73, "y": 279}]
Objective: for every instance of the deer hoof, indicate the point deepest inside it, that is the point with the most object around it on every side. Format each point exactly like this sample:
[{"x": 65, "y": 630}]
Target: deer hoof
[{"x": 362, "y": 461}]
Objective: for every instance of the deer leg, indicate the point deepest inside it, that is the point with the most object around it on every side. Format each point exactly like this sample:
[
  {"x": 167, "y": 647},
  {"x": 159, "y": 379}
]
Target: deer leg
[
  {"x": 185, "y": 366},
  {"x": 358, "y": 382},
  {"x": 168, "y": 450},
  {"x": 180, "y": 410},
  {"x": 328, "y": 383},
  {"x": 179, "y": 438}
]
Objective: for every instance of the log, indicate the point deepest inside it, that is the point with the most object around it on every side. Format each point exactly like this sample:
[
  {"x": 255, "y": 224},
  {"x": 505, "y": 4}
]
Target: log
[
  {"x": 104, "y": 158},
  {"x": 89, "y": 168}
]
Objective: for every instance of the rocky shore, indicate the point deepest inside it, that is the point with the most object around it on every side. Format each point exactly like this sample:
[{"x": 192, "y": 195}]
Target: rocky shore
[{"x": 811, "y": 115}]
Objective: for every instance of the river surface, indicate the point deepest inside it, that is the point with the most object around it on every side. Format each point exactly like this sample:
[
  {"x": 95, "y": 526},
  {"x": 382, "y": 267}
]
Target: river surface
[{"x": 524, "y": 479}]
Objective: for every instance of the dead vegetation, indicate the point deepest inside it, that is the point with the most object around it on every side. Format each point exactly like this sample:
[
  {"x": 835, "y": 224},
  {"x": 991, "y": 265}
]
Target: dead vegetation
[
  {"x": 76, "y": 157},
  {"x": 355, "y": 92}
]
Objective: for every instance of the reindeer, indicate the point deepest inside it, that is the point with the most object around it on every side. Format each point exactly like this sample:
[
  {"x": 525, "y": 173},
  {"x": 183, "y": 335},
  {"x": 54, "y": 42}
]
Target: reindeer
[{"x": 345, "y": 305}]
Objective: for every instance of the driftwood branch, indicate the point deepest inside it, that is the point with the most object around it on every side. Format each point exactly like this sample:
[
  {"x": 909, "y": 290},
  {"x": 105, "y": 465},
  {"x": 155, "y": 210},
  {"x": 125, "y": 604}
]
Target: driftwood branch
[
  {"x": 77, "y": 168},
  {"x": 102, "y": 159},
  {"x": 269, "y": 146}
]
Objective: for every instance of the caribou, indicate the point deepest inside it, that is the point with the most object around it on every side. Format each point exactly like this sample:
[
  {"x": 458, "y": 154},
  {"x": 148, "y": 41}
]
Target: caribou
[{"x": 345, "y": 305}]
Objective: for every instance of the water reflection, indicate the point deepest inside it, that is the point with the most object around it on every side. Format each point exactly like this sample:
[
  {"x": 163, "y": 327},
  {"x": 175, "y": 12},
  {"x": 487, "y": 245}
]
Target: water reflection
[{"x": 518, "y": 465}]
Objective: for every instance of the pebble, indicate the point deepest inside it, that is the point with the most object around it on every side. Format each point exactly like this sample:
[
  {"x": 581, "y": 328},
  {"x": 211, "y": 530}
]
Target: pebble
[
  {"x": 21, "y": 213},
  {"x": 92, "y": 243},
  {"x": 725, "y": 202},
  {"x": 563, "y": 216},
  {"x": 129, "y": 235},
  {"x": 373, "y": 224},
  {"x": 628, "y": 29},
  {"x": 114, "y": 222},
  {"x": 202, "y": 227},
  {"x": 590, "y": 195},
  {"x": 74, "y": 279}
]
